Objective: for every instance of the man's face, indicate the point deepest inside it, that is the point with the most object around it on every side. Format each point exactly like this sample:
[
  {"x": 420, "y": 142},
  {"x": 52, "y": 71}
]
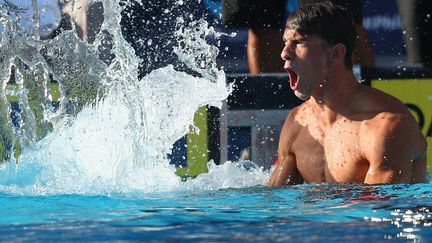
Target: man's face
[{"x": 306, "y": 61}]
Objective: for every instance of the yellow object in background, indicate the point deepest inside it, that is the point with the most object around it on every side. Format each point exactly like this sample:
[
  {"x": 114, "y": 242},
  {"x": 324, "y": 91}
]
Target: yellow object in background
[
  {"x": 197, "y": 146},
  {"x": 13, "y": 89},
  {"x": 416, "y": 94}
]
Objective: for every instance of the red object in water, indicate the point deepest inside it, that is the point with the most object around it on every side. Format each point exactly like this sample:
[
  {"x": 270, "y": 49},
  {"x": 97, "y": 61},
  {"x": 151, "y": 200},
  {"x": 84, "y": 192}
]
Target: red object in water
[{"x": 370, "y": 197}]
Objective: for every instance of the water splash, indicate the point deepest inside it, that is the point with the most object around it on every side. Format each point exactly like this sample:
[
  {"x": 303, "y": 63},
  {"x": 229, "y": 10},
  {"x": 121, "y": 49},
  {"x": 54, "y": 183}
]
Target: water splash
[{"x": 109, "y": 131}]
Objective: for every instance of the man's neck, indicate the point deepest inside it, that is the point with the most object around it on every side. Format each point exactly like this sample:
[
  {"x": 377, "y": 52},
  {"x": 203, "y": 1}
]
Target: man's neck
[{"x": 335, "y": 99}]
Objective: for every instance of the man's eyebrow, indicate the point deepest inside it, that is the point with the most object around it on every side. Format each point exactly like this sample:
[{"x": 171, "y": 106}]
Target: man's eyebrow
[{"x": 294, "y": 38}]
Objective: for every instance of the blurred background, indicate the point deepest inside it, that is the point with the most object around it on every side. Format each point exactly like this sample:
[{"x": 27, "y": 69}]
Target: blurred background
[{"x": 380, "y": 19}]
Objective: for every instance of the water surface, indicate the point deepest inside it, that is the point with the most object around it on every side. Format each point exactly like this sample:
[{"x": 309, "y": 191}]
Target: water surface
[{"x": 309, "y": 212}]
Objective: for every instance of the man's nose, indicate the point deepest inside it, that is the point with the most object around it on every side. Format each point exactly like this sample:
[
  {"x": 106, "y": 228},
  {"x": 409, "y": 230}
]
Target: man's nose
[{"x": 286, "y": 52}]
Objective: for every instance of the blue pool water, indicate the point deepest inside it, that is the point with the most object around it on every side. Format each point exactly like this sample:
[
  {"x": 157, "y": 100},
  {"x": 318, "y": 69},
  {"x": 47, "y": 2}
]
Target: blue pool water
[{"x": 309, "y": 212}]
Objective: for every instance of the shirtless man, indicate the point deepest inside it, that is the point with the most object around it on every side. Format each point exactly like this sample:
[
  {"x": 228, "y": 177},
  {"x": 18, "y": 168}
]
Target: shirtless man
[{"x": 344, "y": 131}]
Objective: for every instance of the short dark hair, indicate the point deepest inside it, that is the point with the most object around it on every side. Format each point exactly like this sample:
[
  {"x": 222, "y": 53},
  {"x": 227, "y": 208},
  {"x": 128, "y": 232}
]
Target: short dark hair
[{"x": 331, "y": 23}]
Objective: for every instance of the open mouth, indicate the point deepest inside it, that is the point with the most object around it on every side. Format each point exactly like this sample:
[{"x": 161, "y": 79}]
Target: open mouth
[{"x": 293, "y": 77}]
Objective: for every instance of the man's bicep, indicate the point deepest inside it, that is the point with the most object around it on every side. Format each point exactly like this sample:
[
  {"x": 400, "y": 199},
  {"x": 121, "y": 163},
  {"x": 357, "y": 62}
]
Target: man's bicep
[
  {"x": 286, "y": 172},
  {"x": 390, "y": 158},
  {"x": 397, "y": 165},
  {"x": 383, "y": 173}
]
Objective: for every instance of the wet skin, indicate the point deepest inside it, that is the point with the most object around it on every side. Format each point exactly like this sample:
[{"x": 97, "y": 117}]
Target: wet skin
[{"x": 344, "y": 131}]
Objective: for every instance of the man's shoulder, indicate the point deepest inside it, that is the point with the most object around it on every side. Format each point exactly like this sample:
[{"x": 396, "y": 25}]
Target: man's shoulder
[
  {"x": 382, "y": 102},
  {"x": 385, "y": 122},
  {"x": 392, "y": 135},
  {"x": 386, "y": 117},
  {"x": 380, "y": 109},
  {"x": 295, "y": 121},
  {"x": 299, "y": 114},
  {"x": 390, "y": 128}
]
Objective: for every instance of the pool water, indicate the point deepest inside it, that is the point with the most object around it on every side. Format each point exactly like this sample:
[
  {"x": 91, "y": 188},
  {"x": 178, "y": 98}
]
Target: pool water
[{"x": 308, "y": 212}]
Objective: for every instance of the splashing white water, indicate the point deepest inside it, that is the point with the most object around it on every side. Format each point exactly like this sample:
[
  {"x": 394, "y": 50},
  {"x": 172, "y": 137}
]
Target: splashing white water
[{"x": 119, "y": 141}]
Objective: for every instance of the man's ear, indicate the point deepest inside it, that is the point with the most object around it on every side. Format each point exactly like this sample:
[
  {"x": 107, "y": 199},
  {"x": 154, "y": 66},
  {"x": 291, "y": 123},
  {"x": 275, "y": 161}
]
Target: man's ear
[{"x": 338, "y": 53}]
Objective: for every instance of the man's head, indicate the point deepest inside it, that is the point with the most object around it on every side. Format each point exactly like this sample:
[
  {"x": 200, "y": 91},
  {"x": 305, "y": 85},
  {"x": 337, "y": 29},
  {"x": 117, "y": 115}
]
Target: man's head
[{"x": 331, "y": 23}]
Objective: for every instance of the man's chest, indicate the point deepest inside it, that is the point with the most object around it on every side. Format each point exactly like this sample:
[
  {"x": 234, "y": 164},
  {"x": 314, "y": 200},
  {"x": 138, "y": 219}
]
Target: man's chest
[{"x": 333, "y": 156}]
